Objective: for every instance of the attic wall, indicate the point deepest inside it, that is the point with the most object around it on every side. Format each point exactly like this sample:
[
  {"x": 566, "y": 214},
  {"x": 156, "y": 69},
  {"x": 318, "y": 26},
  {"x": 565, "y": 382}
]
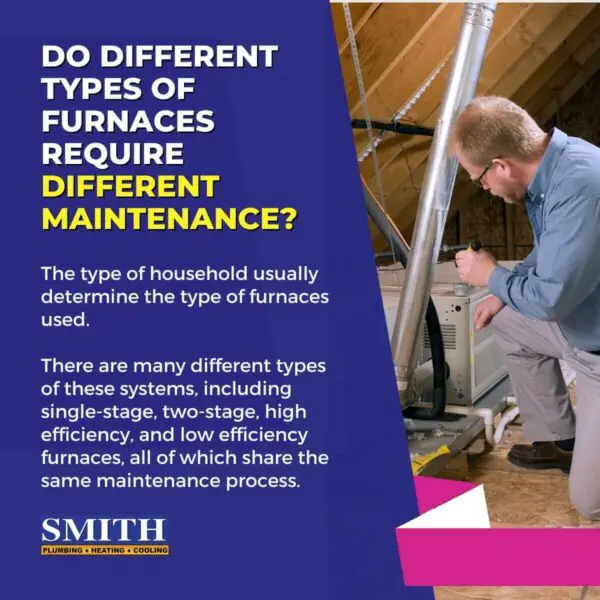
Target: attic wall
[{"x": 484, "y": 217}]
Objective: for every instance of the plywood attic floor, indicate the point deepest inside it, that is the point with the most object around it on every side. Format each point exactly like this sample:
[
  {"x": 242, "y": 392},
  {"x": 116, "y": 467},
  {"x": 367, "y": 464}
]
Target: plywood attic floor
[{"x": 517, "y": 498}]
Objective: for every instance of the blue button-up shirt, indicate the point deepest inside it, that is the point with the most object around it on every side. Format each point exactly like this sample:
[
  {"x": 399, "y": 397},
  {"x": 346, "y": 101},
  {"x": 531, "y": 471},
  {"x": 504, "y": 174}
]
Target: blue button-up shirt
[{"x": 560, "y": 280}]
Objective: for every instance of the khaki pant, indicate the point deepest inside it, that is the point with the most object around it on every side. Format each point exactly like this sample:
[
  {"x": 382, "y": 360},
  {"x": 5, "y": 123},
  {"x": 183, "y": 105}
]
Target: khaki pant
[{"x": 531, "y": 351}]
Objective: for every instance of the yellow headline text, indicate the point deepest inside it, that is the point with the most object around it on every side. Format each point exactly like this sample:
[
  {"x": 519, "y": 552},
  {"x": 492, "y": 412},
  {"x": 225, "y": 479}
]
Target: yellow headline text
[
  {"x": 168, "y": 218},
  {"x": 129, "y": 186}
]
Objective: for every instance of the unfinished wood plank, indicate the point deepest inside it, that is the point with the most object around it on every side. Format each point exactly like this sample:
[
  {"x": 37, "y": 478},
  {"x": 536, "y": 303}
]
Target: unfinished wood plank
[
  {"x": 358, "y": 10},
  {"x": 559, "y": 30},
  {"x": 508, "y": 592},
  {"x": 549, "y": 94},
  {"x": 505, "y": 45},
  {"x": 373, "y": 195},
  {"x": 589, "y": 47},
  {"x": 581, "y": 77},
  {"x": 543, "y": 74},
  {"x": 507, "y": 17},
  {"x": 522, "y": 39},
  {"x": 427, "y": 109},
  {"x": 558, "y": 57},
  {"x": 552, "y": 96},
  {"x": 371, "y": 8},
  {"x": 421, "y": 36},
  {"x": 391, "y": 28},
  {"x": 532, "y": 499},
  {"x": 580, "y": 44},
  {"x": 569, "y": 18},
  {"x": 433, "y": 47}
]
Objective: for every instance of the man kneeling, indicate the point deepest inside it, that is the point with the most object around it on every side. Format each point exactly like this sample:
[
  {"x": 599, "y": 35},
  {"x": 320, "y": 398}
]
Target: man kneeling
[{"x": 548, "y": 307}]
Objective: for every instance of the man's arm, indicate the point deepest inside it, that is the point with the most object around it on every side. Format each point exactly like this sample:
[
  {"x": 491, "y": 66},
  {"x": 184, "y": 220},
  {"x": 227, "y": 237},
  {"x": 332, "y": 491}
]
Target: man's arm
[
  {"x": 568, "y": 263},
  {"x": 528, "y": 263}
]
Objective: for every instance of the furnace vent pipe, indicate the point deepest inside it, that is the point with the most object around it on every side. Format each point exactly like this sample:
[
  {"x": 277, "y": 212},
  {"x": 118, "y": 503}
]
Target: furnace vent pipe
[
  {"x": 437, "y": 186},
  {"x": 438, "y": 358}
]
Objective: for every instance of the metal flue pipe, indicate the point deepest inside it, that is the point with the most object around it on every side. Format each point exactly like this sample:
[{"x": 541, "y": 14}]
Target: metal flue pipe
[{"x": 437, "y": 186}]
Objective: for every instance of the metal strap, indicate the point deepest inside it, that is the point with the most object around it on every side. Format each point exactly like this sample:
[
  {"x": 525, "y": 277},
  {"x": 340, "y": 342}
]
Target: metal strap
[
  {"x": 363, "y": 99},
  {"x": 403, "y": 110}
]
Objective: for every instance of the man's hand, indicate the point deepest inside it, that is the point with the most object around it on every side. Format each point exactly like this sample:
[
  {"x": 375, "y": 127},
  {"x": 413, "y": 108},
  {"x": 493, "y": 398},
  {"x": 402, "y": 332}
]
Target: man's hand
[
  {"x": 486, "y": 311},
  {"x": 475, "y": 268}
]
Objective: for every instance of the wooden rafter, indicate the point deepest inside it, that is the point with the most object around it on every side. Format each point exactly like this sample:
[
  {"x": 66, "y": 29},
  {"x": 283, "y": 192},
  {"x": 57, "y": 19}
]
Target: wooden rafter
[
  {"x": 410, "y": 71},
  {"x": 390, "y": 29},
  {"x": 552, "y": 95},
  {"x": 360, "y": 23},
  {"x": 426, "y": 110},
  {"x": 538, "y": 54},
  {"x": 359, "y": 11},
  {"x": 572, "y": 19},
  {"x": 579, "y": 77},
  {"x": 557, "y": 58}
]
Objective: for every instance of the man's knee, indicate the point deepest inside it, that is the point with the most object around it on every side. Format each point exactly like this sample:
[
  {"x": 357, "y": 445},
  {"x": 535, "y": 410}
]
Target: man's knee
[
  {"x": 501, "y": 322},
  {"x": 503, "y": 326},
  {"x": 585, "y": 497}
]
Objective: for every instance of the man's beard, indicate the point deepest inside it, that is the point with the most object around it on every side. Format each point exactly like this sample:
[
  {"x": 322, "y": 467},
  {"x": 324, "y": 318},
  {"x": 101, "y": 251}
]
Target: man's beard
[
  {"x": 514, "y": 197},
  {"x": 513, "y": 200}
]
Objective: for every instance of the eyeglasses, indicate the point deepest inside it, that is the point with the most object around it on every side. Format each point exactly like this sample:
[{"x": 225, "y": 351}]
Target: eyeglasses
[{"x": 478, "y": 181}]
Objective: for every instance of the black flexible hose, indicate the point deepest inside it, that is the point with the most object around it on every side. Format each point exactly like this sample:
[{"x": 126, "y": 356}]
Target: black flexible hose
[
  {"x": 393, "y": 126},
  {"x": 438, "y": 357}
]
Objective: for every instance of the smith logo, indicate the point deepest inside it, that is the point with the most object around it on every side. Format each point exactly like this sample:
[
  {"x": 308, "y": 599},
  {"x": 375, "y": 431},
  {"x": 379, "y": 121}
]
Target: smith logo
[{"x": 103, "y": 536}]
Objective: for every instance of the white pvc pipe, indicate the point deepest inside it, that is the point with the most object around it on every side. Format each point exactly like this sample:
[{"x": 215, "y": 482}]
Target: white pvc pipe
[{"x": 507, "y": 418}]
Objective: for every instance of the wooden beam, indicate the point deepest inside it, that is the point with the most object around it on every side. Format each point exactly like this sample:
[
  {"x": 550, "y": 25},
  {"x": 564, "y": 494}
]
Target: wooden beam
[
  {"x": 563, "y": 25},
  {"x": 406, "y": 74},
  {"x": 500, "y": 53},
  {"x": 358, "y": 12},
  {"x": 581, "y": 77},
  {"x": 507, "y": 17},
  {"x": 360, "y": 23},
  {"x": 426, "y": 110},
  {"x": 433, "y": 47},
  {"x": 406, "y": 55},
  {"x": 569, "y": 46},
  {"x": 392, "y": 224},
  {"x": 390, "y": 30},
  {"x": 554, "y": 33},
  {"x": 411, "y": 69},
  {"x": 553, "y": 95},
  {"x": 522, "y": 41},
  {"x": 581, "y": 43}
]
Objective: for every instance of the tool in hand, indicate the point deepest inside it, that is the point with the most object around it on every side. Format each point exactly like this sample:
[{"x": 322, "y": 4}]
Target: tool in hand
[{"x": 474, "y": 245}]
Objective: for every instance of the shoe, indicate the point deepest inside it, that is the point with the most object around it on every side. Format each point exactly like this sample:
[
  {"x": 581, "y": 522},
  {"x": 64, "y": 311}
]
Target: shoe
[{"x": 540, "y": 455}]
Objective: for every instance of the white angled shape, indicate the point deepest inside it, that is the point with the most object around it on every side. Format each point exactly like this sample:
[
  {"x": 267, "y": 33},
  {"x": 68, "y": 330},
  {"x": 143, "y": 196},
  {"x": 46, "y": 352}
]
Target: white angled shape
[{"x": 467, "y": 511}]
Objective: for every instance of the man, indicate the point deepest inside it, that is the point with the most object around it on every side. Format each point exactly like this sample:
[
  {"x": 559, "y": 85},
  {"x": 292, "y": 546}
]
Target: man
[{"x": 548, "y": 307}]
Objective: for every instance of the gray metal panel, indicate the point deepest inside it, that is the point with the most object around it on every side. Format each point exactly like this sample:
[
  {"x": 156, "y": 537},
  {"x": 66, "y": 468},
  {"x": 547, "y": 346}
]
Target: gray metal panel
[{"x": 475, "y": 361}]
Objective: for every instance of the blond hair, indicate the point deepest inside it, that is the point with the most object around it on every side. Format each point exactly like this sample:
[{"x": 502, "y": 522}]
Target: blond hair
[{"x": 491, "y": 127}]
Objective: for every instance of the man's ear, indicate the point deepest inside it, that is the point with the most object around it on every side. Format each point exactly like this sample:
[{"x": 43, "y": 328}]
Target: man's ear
[{"x": 502, "y": 163}]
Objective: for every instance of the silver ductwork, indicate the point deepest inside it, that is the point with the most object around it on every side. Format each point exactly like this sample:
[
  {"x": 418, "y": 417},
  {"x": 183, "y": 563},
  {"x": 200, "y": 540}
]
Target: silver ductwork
[{"x": 437, "y": 187}]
